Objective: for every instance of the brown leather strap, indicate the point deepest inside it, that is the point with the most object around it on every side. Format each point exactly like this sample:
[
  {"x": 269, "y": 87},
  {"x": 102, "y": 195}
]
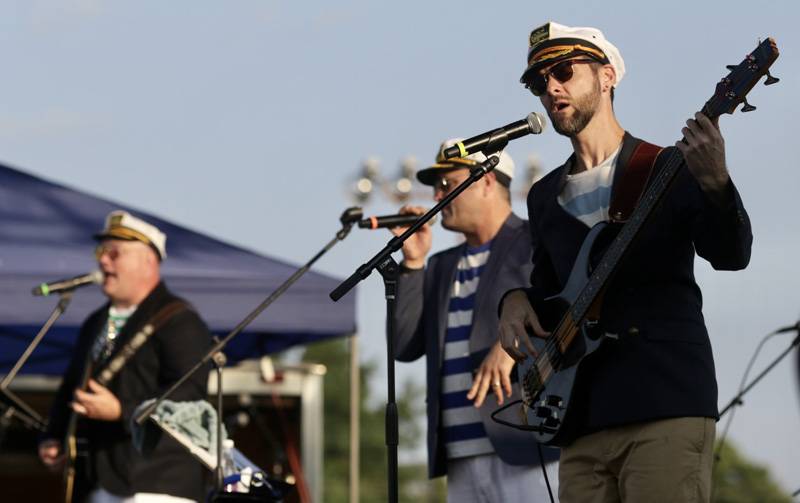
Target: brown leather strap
[{"x": 631, "y": 185}]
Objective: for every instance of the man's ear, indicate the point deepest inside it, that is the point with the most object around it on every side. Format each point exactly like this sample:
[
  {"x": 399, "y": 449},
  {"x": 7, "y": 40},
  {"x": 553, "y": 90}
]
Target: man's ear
[
  {"x": 489, "y": 181},
  {"x": 608, "y": 77}
]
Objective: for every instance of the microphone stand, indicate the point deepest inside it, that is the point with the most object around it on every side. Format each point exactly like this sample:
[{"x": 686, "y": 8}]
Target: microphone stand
[
  {"x": 389, "y": 270},
  {"x": 13, "y": 403},
  {"x": 737, "y": 400},
  {"x": 350, "y": 217}
]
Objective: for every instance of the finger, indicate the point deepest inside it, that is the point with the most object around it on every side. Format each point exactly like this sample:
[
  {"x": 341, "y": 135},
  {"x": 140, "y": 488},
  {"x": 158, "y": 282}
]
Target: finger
[
  {"x": 95, "y": 386},
  {"x": 524, "y": 339},
  {"x": 532, "y": 321},
  {"x": 705, "y": 123},
  {"x": 82, "y": 396},
  {"x": 497, "y": 387},
  {"x": 79, "y": 409},
  {"x": 710, "y": 127},
  {"x": 510, "y": 344},
  {"x": 483, "y": 389},
  {"x": 529, "y": 346},
  {"x": 689, "y": 136},
  {"x": 505, "y": 381},
  {"x": 476, "y": 384}
]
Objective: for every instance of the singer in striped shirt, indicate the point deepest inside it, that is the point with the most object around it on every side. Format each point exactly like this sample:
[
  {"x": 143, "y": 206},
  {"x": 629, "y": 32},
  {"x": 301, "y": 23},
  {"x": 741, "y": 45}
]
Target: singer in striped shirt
[{"x": 447, "y": 312}]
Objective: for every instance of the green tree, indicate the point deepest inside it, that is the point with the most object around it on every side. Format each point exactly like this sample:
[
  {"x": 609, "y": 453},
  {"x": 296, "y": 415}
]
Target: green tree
[
  {"x": 413, "y": 484},
  {"x": 737, "y": 480}
]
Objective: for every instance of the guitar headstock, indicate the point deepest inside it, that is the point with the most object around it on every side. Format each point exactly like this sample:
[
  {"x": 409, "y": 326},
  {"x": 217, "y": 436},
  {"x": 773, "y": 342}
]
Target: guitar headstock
[{"x": 733, "y": 88}]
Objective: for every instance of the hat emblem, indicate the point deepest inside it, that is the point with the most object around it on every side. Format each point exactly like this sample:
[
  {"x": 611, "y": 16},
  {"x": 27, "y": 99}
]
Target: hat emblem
[{"x": 539, "y": 35}]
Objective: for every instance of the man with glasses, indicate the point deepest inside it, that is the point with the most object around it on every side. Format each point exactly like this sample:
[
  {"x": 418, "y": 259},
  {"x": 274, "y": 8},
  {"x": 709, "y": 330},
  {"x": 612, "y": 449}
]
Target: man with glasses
[
  {"x": 645, "y": 402},
  {"x": 130, "y": 253},
  {"x": 447, "y": 312}
]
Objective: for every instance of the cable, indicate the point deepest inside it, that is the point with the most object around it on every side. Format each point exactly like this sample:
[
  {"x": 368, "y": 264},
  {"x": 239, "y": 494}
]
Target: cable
[
  {"x": 544, "y": 472},
  {"x": 741, "y": 387},
  {"x": 738, "y": 401}
]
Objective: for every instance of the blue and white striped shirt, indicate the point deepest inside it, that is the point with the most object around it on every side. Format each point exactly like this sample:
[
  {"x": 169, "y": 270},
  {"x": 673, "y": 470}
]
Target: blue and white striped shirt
[{"x": 463, "y": 430}]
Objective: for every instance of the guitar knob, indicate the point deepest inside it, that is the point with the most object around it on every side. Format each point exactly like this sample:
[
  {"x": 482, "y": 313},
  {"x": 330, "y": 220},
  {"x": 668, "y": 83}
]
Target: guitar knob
[
  {"x": 552, "y": 422},
  {"x": 771, "y": 80},
  {"x": 555, "y": 401}
]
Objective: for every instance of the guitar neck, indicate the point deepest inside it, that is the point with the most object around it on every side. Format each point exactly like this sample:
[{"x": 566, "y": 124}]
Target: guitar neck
[{"x": 615, "y": 253}]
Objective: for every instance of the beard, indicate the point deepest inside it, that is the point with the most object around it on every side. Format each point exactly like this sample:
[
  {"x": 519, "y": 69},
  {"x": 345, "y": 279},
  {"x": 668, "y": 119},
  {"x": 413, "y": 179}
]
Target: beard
[{"x": 585, "y": 108}]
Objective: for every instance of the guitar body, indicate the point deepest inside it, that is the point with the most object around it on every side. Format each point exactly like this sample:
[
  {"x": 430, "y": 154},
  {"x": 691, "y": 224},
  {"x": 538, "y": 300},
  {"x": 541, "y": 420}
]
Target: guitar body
[
  {"x": 548, "y": 405},
  {"x": 77, "y": 470}
]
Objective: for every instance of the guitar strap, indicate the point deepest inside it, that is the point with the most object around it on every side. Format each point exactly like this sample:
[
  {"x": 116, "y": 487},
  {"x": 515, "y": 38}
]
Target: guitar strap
[
  {"x": 630, "y": 187},
  {"x": 139, "y": 338}
]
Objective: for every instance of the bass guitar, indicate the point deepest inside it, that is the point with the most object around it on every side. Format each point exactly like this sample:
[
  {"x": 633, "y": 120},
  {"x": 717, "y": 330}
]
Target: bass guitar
[{"x": 547, "y": 381}]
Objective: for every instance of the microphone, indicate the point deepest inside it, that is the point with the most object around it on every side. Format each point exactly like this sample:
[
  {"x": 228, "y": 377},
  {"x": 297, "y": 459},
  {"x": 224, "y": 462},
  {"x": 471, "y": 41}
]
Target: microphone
[
  {"x": 532, "y": 124},
  {"x": 391, "y": 221},
  {"x": 68, "y": 284}
]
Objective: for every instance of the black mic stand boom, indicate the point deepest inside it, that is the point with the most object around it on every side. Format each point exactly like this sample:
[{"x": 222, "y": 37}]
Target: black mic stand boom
[
  {"x": 348, "y": 219},
  {"x": 13, "y": 405}
]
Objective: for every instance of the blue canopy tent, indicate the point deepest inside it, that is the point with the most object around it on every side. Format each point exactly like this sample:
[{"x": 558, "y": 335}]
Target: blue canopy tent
[{"x": 46, "y": 234}]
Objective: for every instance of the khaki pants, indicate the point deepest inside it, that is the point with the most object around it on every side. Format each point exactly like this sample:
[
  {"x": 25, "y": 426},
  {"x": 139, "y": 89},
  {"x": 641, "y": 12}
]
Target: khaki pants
[{"x": 659, "y": 461}]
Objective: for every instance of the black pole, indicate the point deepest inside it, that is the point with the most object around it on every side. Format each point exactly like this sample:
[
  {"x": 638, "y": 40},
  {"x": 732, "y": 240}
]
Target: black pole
[
  {"x": 348, "y": 219},
  {"x": 219, "y": 362},
  {"x": 12, "y": 403},
  {"x": 390, "y": 271}
]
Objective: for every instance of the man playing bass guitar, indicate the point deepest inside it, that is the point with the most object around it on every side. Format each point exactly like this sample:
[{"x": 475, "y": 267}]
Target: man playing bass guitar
[{"x": 644, "y": 403}]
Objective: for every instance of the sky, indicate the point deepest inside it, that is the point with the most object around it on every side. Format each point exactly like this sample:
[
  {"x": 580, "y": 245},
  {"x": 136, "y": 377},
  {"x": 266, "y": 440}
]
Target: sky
[{"x": 250, "y": 121}]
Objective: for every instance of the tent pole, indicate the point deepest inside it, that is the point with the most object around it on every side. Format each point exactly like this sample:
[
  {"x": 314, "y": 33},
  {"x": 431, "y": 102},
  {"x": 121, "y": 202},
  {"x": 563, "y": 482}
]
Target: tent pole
[{"x": 355, "y": 429}]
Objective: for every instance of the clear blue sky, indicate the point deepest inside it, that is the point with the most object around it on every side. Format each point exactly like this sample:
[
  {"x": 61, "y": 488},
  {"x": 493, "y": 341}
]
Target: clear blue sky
[{"x": 245, "y": 120}]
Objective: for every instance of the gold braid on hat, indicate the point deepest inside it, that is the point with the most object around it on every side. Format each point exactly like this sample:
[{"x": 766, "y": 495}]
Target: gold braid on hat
[
  {"x": 557, "y": 51},
  {"x": 128, "y": 233}
]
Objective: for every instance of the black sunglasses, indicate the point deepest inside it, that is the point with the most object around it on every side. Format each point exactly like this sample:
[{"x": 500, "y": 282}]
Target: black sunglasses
[{"x": 562, "y": 72}]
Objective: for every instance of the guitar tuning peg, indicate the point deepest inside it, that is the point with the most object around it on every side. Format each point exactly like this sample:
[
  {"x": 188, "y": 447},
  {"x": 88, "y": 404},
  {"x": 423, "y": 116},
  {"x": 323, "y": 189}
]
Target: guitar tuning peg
[
  {"x": 730, "y": 67},
  {"x": 747, "y": 107},
  {"x": 771, "y": 80}
]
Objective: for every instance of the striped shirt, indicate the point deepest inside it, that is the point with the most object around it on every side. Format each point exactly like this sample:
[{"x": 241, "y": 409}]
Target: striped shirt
[
  {"x": 463, "y": 430},
  {"x": 587, "y": 194}
]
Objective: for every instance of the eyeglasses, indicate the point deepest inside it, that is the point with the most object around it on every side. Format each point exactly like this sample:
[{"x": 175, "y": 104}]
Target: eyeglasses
[
  {"x": 562, "y": 72},
  {"x": 444, "y": 185},
  {"x": 112, "y": 252}
]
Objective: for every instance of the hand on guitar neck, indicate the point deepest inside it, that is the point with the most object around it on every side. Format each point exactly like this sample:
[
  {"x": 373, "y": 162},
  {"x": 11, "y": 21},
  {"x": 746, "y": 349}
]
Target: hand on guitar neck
[
  {"x": 517, "y": 319},
  {"x": 703, "y": 148},
  {"x": 97, "y": 402}
]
